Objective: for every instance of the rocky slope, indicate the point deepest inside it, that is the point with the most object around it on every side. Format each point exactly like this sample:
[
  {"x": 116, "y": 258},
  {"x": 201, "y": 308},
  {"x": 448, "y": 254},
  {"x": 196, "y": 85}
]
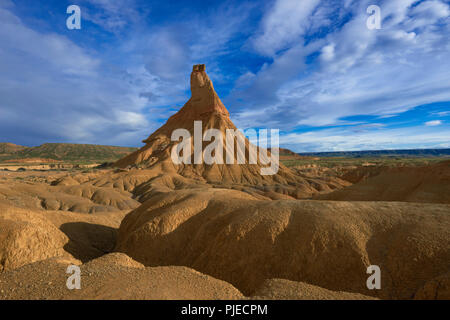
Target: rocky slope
[
  {"x": 429, "y": 183},
  {"x": 237, "y": 238}
]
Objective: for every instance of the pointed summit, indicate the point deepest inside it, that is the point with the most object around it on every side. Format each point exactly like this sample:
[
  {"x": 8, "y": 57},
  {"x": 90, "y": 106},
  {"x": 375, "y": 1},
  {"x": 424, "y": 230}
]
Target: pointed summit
[
  {"x": 204, "y": 99},
  {"x": 205, "y": 106}
]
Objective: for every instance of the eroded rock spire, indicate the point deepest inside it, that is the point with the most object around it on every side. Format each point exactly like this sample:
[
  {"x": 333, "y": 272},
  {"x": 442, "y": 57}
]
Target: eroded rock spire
[{"x": 204, "y": 98}]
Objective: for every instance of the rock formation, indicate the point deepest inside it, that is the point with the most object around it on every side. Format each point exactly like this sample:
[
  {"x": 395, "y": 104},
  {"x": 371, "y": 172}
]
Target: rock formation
[
  {"x": 430, "y": 183},
  {"x": 26, "y": 237},
  {"x": 205, "y": 106},
  {"x": 235, "y": 237}
]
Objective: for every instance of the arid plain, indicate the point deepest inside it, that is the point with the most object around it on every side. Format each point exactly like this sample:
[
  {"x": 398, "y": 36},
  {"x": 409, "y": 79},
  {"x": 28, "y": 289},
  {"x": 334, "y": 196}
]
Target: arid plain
[{"x": 147, "y": 228}]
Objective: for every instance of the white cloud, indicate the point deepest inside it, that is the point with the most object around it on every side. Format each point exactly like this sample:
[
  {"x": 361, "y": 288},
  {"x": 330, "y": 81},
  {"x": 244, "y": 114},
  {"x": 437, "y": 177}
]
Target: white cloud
[
  {"x": 360, "y": 71},
  {"x": 433, "y": 123},
  {"x": 284, "y": 24},
  {"x": 53, "y": 90},
  {"x": 132, "y": 119},
  {"x": 50, "y": 49},
  {"x": 431, "y": 10},
  {"x": 327, "y": 52},
  {"x": 62, "y": 90},
  {"x": 441, "y": 113},
  {"x": 205, "y": 38},
  {"x": 113, "y": 15},
  {"x": 349, "y": 139}
]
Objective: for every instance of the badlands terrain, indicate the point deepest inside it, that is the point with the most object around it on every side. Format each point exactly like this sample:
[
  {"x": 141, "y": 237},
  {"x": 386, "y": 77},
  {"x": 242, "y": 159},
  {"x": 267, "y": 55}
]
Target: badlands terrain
[{"x": 143, "y": 227}]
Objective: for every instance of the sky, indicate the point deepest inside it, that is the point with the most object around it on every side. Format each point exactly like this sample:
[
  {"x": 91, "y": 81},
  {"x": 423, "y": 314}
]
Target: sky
[{"x": 310, "y": 68}]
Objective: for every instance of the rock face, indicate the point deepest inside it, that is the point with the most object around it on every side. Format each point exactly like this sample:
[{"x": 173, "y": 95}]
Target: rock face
[{"x": 234, "y": 237}]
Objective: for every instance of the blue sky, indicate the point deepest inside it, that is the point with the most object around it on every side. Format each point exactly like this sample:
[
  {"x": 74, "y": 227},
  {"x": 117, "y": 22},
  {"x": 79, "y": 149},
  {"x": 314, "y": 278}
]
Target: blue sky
[{"x": 308, "y": 67}]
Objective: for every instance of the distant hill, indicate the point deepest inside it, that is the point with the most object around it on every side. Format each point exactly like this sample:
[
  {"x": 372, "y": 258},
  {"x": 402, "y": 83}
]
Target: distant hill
[
  {"x": 383, "y": 153},
  {"x": 65, "y": 152},
  {"x": 286, "y": 152},
  {"x": 100, "y": 153},
  {"x": 9, "y": 148},
  {"x": 287, "y": 155}
]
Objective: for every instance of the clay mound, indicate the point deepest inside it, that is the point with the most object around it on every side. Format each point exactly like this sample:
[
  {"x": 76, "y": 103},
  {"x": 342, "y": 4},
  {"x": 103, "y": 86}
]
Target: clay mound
[
  {"x": 116, "y": 259},
  {"x": 355, "y": 174},
  {"x": 429, "y": 184},
  {"x": 121, "y": 200},
  {"x": 281, "y": 289},
  {"x": 124, "y": 179},
  {"x": 114, "y": 276},
  {"x": 26, "y": 237},
  {"x": 117, "y": 276},
  {"x": 229, "y": 235},
  {"x": 65, "y": 181},
  {"x": 84, "y": 198},
  {"x": 79, "y": 178},
  {"x": 204, "y": 105}
]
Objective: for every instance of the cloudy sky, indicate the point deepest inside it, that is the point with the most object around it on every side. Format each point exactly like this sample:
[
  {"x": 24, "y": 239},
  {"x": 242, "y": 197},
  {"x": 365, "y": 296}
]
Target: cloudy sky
[{"x": 311, "y": 68}]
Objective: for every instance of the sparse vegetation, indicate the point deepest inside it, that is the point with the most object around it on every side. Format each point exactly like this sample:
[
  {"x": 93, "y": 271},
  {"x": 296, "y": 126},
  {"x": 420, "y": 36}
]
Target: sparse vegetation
[
  {"x": 331, "y": 162},
  {"x": 65, "y": 152}
]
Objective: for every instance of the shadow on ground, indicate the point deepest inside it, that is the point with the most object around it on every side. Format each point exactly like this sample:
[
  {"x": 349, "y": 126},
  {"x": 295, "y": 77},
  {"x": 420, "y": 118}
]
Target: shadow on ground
[{"x": 88, "y": 241}]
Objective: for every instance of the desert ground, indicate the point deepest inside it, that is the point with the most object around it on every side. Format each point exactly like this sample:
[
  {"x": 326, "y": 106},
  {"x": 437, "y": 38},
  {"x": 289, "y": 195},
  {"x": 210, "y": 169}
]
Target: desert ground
[{"x": 143, "y": 227}]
